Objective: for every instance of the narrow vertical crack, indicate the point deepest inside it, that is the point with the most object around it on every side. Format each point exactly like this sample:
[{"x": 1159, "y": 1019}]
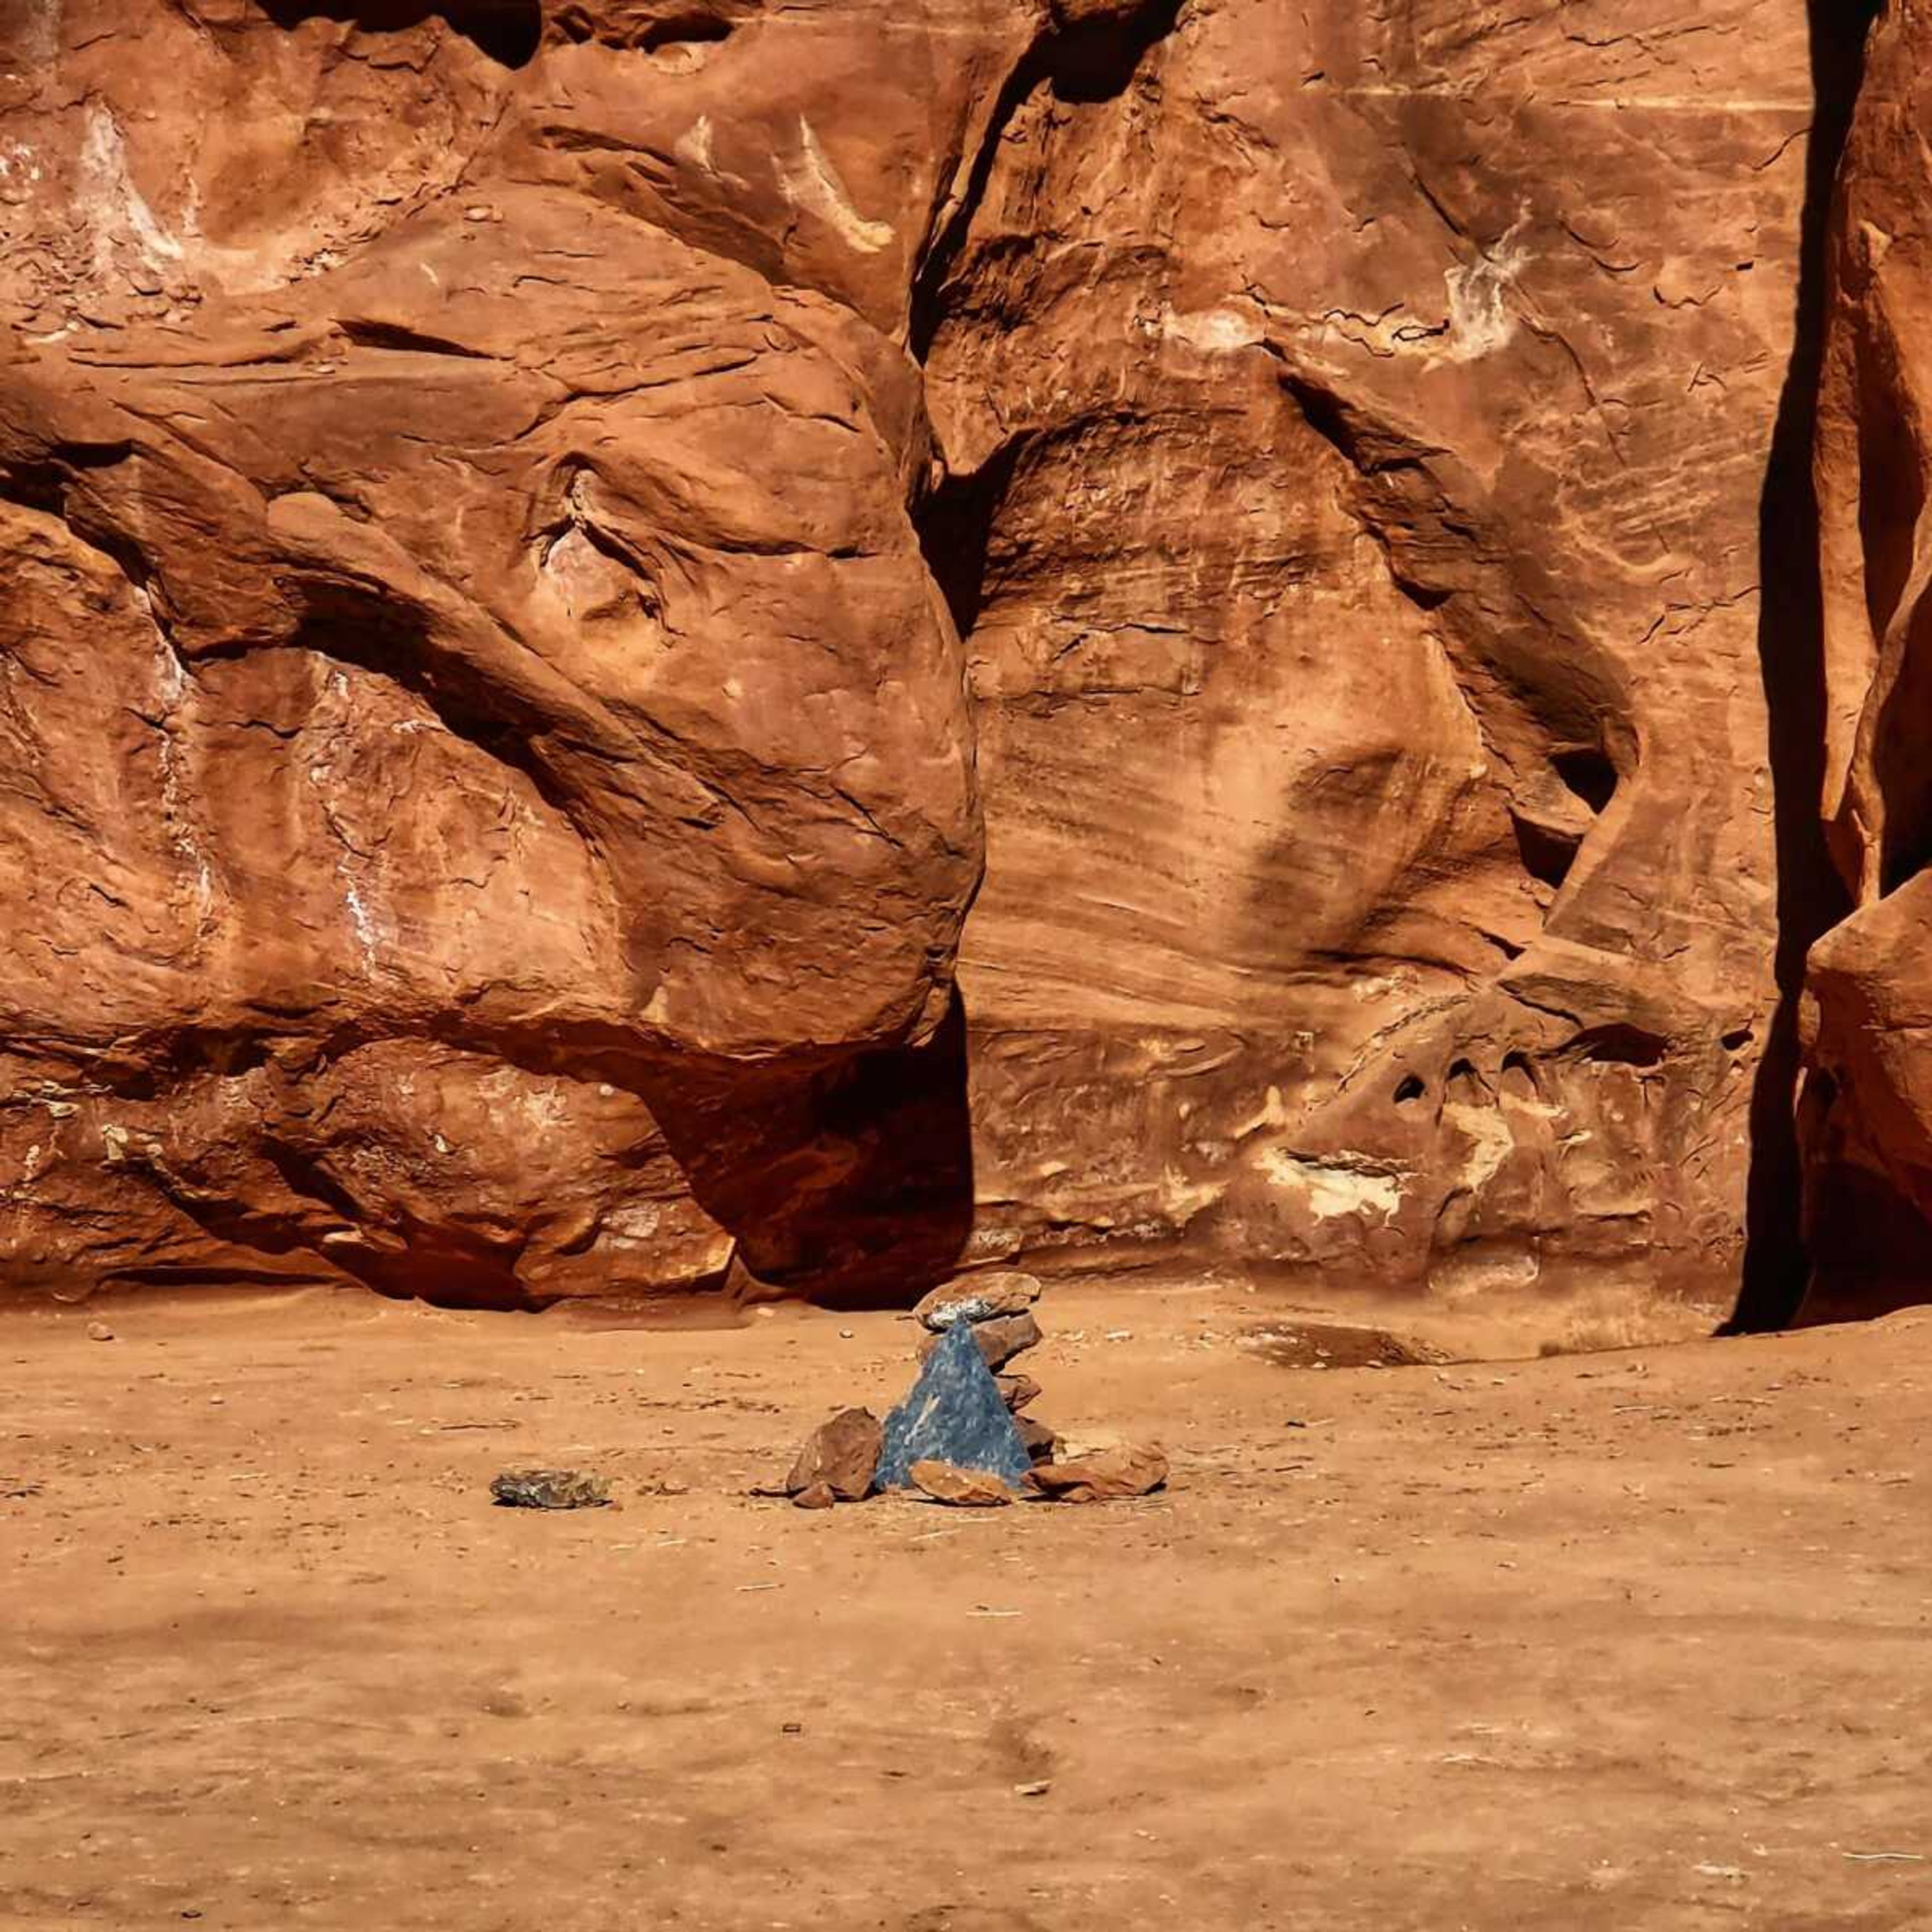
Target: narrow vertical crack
[{"x": 1811, "y": 897}]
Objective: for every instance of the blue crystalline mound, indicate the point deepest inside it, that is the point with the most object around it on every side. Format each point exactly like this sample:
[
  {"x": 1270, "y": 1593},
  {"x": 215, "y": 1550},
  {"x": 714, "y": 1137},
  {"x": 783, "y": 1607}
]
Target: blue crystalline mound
[{"x": 954, "y": 1414}]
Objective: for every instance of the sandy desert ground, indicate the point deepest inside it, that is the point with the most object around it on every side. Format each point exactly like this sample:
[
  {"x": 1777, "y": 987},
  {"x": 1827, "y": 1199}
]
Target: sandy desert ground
[{"x": 1631, "y": 1640}]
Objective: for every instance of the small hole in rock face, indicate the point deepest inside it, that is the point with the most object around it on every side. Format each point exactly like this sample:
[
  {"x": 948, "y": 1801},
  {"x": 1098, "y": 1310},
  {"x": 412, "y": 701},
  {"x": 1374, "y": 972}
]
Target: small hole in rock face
[
  {"x": 1408, "y": 1088},
  {"x": 696, "y": 23},
  {"x": 1546, "y": 855},
  {"x": 1095, "y": 60},
  {"x": 683, "y": 29},
  {"x": 1519, "y": 1076},
  {"x": 1618, "y": 1045},
  {"x": 1588, "y": 773},
  {"x": 1462, "y": 1083},
  {"x": 1736, "y": 1040}
]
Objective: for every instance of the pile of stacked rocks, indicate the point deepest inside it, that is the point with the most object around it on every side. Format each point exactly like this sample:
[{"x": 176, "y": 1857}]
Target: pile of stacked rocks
[
  {"x": 997, "y": 1310},
  {"x": 961, "y": 1435}
]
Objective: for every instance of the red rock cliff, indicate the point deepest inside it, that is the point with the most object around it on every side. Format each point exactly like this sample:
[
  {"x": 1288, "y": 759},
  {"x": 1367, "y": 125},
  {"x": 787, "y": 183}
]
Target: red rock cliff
[{"x": 495, "y": 495}]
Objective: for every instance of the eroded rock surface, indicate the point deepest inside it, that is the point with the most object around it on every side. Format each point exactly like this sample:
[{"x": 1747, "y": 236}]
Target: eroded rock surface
[
  {"x": 490, "y": 798},
  {"x": 1356, "y": 422},
  {"x": 1866, "y": 1110},
  {"x": 493, "y": 494}
]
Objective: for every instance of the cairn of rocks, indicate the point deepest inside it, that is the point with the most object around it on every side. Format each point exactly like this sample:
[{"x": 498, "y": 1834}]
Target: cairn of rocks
[{"x": 961, "y": 1435}]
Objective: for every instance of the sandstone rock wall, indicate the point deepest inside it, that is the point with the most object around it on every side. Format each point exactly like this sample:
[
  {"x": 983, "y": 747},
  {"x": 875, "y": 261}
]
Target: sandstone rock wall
[
  {"x": 1866, "y": 1111},
  {"x": 517, "y": 512},
  {"x": 489, "y": 785},
  {"x": 1357, "y": 421}
]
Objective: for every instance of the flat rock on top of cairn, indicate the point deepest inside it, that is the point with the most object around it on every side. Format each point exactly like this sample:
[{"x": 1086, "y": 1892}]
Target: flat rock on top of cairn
[
  {"x": 978, "y": 1298},
  {"x": 954, "y": 1414}
]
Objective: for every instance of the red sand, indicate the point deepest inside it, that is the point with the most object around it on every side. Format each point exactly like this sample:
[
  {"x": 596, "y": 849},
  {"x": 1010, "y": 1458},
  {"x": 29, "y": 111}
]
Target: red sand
[{"x": 1616, "y": 1641}]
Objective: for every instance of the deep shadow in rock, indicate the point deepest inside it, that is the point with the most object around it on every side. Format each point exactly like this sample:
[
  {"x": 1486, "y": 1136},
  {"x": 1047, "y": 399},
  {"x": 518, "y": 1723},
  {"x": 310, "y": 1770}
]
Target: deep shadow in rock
[
  {"x": 508, "y": 30},
  {"x": 850, "y": 1183},
  {"x": 1810, "y": 896},
  {"x": 1874, "y": 1246},
  {"x": 1083, "y": 62}
]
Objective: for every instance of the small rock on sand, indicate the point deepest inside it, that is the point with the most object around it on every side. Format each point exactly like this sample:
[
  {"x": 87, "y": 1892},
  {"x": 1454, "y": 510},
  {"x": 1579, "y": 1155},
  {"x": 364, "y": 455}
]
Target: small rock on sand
[
  {"x": 551, "y": 1489},
  {"x": 1103, "y": 1475},
  {"x": 814, "y": 1496},
  {"x": 99, "y": 1331},
  {"x": 840, "y": 1455},
  {"x": 967, "y": 1489}
]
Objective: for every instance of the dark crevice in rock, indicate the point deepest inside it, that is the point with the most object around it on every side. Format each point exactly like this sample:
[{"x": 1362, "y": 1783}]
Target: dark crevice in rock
[
  {"x": 678, "y": 26},
  {"x": 955, "y": 523},
  {"x": 1518, "y": 1077},
  {"x": 215, "y": 1274},
  {"x": 446, "y": 1266},
  {"x": 1617, "y": 1044},
  {"x": 304, "y": 1176},
  {"x": 1425, "y": 597},
  {"x": 49, "y": 486},
  {"x": 380, "y": 635},
  {"x": 1538, "y": 709},
  {"x": 508, "y": 30},
  {"x": 854, "y": 1185},
  {"x": 1588, "y": 773},
  {"x": 1810, "y": 896},
  {"x": 1872, "y": 1239},
  {"x": 150, "y": 1066},
  {"x": 368, "y": 334},
  {"x": 683, "y": 27},
  {"x": 451, "y": 1267},
  {"x": 1546, "y": 853},
  {"x": 1366, "y": 446},
  {"x": 1095, "y": 60},
  {"x": 1083, "y": 62}
]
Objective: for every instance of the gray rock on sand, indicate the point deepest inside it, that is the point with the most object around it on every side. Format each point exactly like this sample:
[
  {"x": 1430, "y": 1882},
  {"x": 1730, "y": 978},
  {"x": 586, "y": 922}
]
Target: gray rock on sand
[
  {"x": 953, "y": 1415},
  {"x": 551, "y": 1489}
]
